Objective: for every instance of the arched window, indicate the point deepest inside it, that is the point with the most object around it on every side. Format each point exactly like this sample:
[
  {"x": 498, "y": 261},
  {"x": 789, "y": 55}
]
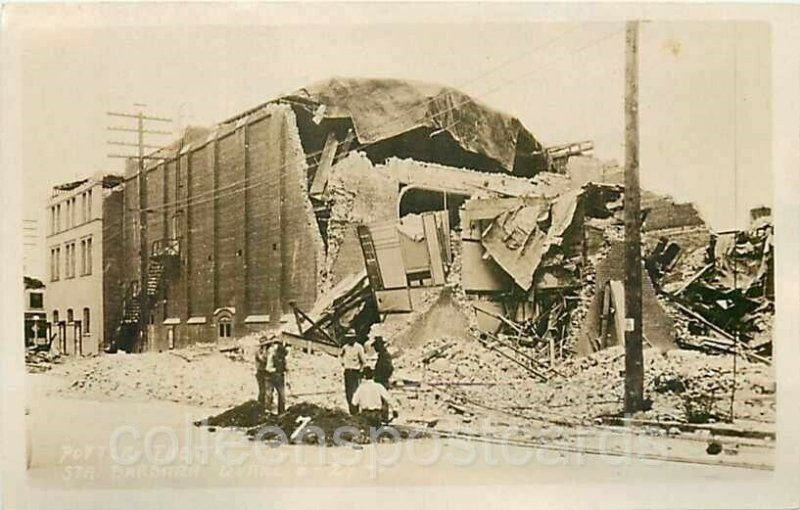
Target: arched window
[
  {"x": 70, "y": 316},
  {"x": 55, "y": 317},
  {"x": 86, "y": 320},
  {"x": 224, "y": 327}
]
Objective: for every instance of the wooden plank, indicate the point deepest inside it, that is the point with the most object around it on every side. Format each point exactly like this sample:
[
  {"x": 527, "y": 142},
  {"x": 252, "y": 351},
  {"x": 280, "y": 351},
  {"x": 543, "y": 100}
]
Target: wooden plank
[
  {"x": 370, "y": 257},
  {"x": 688, "y": 311},
  {"x": 444, "y": 219},
  {"x": 324, "y": 167},
  {"x": 389, "y": 255},
  {"x": 692, "y": 280},
  {"x": 314, "y": 326},
  {"x": 434, "y": 249}
]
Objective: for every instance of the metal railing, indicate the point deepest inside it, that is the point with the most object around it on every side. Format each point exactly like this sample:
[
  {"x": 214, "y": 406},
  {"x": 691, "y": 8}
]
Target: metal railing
[{"x": 166, "y": 247}]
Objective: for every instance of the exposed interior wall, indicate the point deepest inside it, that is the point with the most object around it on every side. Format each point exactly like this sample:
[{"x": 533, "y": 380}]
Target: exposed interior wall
[{"x": 358, "y": 194}]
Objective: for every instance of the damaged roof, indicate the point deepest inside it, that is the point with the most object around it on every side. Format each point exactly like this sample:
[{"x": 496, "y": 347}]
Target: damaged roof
[{"x": 384, "y": 108}]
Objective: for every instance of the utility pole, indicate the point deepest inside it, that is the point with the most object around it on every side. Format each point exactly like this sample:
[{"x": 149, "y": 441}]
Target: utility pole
[
  {"x": 144, "y": 252},
  {"x": 735, "y": 209},
  {"x": 634, "y": 363}
]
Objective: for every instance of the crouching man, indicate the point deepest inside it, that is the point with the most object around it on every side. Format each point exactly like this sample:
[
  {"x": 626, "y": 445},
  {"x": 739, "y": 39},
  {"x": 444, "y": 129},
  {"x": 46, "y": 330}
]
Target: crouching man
[{"x": 372, "y": 400}]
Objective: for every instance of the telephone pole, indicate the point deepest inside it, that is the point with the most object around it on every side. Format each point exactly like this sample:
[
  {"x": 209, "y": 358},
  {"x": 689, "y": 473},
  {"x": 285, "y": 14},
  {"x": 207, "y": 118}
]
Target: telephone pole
[
  {"x": 144, "y": 252},
  {"x": 634, "y": 363}
]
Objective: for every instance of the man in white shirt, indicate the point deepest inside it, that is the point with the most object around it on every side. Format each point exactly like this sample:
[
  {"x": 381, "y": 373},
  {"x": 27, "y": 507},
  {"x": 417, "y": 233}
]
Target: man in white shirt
[
  {"x": 353, "y": 361},
  {"x": 372, "y": 400}
]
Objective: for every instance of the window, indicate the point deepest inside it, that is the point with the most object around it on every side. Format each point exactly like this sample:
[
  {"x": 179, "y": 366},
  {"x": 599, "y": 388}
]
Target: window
[
  {"x": 55, "y": 316},
  {"x": 69, "y": 260},
  {"x": 58, "y": 218},
  {"x": 52, "y": 220},
  {"x": 83, "y": 257},
  {"x": 57, "y": 268},
  {"x": 136, "y": 232},
  {"x": 74, "y": 214},
  {"x": 36, "y": 300},
  {"x": 83, "y": 208},
  {"x": 224, "y": 328},
  {"x": 86, "y": 320},
  {"x": 177, "y": 224},
  {"x": 89, "y": 255},
  {"x": 70, "y": 316},
  {"x": 53, "y": 265},
  {"x": 89, "y": 205}
]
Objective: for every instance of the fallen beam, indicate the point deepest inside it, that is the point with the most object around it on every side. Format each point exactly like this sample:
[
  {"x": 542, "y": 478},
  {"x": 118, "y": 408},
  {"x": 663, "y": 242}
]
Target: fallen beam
[{"x": 692, "y": 427}]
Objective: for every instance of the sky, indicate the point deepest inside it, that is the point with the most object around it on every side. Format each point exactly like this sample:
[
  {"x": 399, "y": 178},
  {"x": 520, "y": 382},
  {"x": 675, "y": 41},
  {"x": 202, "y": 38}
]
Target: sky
[{"x": 705, "y": 90}]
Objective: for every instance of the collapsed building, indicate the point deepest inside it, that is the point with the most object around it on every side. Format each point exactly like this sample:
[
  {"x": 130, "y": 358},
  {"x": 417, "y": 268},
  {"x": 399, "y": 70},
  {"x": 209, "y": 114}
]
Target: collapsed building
[
  {"x": 242, "y": 221},
  {"x": 398, "y": 209}
]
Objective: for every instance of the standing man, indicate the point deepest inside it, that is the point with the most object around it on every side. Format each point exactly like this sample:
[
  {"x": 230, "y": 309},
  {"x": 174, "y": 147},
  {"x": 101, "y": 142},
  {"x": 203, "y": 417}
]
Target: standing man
[
  {"x": 271, "y": 372},
  {"x": 352, "y": 358},
  {"x": 261, "y": 367},
  {"x": 372, "y": 400},
  {"x": 383, "y": 365}
]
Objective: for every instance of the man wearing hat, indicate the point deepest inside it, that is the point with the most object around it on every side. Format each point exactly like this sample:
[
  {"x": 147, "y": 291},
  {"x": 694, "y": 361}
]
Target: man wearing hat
[
  {"x": 353, "y": 360},
  {"x": 271, "y": 371}
]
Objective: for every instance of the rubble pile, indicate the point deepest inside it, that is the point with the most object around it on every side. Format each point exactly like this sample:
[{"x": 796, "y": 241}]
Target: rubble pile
[
  {"x": 199, "y": 375},
  {"x": 305, "y": 422},
  {"x": 436, "y": 314},
  {"x": 722, "y": 296},
  {"x": 37, "y": 361},
  {"x": 247, "y": 414},
  {"x": 684, "y": 386}
]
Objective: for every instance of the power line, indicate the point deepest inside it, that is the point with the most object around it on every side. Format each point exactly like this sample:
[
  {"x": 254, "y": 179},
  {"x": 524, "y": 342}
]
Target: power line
[
  {"x": 396, "y": 119},
  {"x": 234, "y": 188},
  {"x": 227, "y": 191},
  {"x": 141, "y": 132}
]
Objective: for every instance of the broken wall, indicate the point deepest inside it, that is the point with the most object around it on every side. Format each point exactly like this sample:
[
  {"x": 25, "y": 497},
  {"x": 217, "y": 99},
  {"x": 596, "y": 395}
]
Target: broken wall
[
  {"x": 658, "y": 327},
  {"x": 360, "y": 193}
]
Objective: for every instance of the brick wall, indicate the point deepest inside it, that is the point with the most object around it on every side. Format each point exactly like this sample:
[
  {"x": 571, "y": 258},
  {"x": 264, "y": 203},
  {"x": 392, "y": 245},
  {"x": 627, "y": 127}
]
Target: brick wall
[
  {"x": 200, "y": 267},
  {"x": 113, "y": 256},
  {"x": 230, "y": 221},
  {"x": 657, "y": 326},
  {"x": 249, "y": 237}
]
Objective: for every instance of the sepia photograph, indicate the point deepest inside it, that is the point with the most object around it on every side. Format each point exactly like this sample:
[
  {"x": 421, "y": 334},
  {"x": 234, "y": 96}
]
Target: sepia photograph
[{"x": 361, "y": 247}]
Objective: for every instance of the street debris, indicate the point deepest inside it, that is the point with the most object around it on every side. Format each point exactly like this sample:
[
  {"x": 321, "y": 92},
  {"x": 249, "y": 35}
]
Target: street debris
[
  {"x": 304, "y": 423},
  {"x": 37, "y": 361}
]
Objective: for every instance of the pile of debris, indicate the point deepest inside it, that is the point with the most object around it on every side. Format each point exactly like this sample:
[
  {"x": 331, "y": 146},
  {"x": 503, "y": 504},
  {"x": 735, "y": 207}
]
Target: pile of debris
[
  {"x": 199, "y": 375},
  {"x": 449, "y": 378},
  {"x": 303, "y": 423},
  {"x": 722, "y": 296},
  {"x": 37, "y": 360}
]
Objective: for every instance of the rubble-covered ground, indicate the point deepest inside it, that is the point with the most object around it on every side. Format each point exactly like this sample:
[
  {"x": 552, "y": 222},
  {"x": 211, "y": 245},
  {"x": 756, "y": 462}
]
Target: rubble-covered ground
[
  {"x": 688, "y": 386},
  {"x": 199, "y": 375},
  {"x": 453, "y": 378}
]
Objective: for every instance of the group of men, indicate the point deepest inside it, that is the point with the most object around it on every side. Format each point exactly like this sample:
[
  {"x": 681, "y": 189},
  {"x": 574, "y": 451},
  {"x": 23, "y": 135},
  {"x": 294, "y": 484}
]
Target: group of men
[{"x": 366, "y": 389}]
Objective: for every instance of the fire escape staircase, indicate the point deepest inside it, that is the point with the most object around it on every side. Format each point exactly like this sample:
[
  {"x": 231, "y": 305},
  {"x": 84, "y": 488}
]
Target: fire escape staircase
[{"x": 164, "y": 256}]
